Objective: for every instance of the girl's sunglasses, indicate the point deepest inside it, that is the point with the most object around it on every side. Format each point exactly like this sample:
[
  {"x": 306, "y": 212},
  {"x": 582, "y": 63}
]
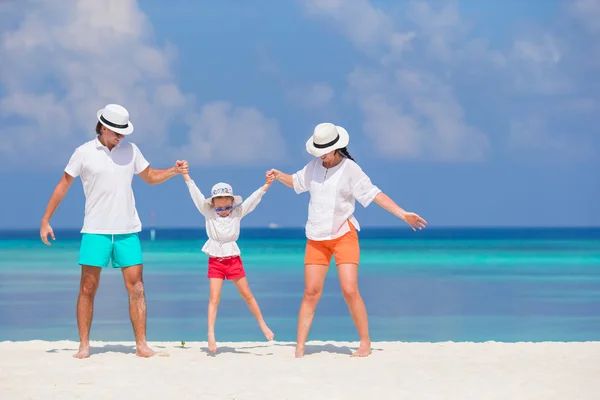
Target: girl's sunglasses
[{"x": 223, "y": 209}]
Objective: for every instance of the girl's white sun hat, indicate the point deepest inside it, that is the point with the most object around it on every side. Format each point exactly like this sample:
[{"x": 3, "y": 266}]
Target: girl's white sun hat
[{"x": 223, "y": 189}]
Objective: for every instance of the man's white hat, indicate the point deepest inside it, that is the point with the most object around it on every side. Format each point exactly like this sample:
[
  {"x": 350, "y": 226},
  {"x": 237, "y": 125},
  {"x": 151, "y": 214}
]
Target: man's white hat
[
  {"x": 325, "y": 138},
  {"x": 115, "y": 118},
  {"x": 223, "y": 189}
]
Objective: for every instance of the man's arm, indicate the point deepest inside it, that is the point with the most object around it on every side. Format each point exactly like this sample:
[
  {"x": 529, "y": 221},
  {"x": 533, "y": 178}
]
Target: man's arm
[
  {"x": 59, "y": 193},
  {"x": 157, "y": 176}
]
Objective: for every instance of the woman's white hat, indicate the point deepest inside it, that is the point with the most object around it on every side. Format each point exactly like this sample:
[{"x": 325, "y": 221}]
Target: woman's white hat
[
  {"x": 223, "y": 189},
  {"x": 115, "y": 118},
  {"x": 325, "y": 138}
]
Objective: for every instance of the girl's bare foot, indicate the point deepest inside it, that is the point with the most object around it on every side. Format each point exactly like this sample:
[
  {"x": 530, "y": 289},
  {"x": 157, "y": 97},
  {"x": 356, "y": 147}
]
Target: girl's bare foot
[
  {"x": 143, "y": 350},
  {"x": 266, "y": 331},
  {"x": 83, "y": 352},
  {"x": 299, "y": 351},
  {"x": 364, "y": 349},
  {"x": 212, "y": 343}
]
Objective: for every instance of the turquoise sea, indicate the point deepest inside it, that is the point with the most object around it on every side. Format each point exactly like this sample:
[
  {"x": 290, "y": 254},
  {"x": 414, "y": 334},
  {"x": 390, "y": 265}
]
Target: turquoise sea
[{"x": 440, "y": 284}]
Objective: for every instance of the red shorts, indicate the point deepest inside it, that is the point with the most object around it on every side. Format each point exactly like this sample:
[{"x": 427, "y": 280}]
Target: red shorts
[{"x": 225, "y": 268}]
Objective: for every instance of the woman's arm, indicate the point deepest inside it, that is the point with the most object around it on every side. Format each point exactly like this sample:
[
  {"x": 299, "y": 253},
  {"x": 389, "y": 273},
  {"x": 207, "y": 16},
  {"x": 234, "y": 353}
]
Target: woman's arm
[
  {"x": 412, "y": 219},
  {"x": 282, "y": 177}
]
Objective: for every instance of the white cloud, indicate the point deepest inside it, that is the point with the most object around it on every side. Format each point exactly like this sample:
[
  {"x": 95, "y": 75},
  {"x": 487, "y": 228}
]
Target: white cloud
[
  {"x": 223, "y": 134},
  {"x": 406, "y": 111},
  {"x": 63, "y": 61}
]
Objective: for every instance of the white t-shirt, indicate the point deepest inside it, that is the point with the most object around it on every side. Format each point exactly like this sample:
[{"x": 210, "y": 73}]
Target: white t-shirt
[
  {"x": 333, "y": 192},
  {"x": 106, "y": 176},
  {"x": 223, "y": 232}
]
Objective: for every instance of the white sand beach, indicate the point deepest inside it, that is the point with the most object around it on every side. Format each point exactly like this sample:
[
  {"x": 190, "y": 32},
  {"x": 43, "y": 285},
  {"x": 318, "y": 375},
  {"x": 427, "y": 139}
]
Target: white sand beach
[{"x": 244, "y": 371}]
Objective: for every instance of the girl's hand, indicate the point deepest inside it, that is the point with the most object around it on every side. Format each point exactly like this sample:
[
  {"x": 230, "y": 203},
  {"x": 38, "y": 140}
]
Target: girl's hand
[{"x": 414, "y": 220}]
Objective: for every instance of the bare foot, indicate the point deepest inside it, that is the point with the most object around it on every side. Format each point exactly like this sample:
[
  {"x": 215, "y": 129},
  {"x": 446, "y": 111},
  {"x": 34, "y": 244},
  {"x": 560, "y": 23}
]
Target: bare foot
[
  {"x": 267, "y": 332},
  {"x": 363, "y": 350},
  {"x": 144, "y": 351},
  {"x": 299, "y": 351},
  {"x": 212, "y": 343},
  {"x": 84, "y": 351}
]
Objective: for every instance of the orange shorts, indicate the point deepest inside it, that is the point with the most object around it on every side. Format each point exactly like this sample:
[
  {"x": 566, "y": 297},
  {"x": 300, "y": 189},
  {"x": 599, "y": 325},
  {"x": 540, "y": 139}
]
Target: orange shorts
[{"x": 345, "y": 249}]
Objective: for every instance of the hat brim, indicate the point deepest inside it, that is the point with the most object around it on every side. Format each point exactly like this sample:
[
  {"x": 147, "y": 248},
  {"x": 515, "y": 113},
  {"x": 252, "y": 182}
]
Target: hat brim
[
  {"x": 341, "y": 143},
  {"x": 121, "y": 131},
  {"x": 237, "y": 200}
]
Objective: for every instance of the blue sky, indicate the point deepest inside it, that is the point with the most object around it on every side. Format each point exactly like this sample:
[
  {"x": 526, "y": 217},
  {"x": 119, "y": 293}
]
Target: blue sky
[{"x": 470, "y": 113}]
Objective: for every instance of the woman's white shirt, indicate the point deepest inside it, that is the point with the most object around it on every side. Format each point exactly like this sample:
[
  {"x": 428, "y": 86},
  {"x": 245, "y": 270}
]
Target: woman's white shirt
[
  {"x": 333, "y": 192},
  {"x": 222, "y": 232}
]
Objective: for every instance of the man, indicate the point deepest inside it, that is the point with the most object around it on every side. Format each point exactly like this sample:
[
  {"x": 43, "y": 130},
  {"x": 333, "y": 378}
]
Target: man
[{"x": 106, "y": 166}]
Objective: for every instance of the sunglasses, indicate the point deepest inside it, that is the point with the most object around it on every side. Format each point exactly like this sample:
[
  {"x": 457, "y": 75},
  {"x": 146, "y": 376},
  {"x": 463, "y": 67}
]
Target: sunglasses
[{"x": 223, "y": 209}]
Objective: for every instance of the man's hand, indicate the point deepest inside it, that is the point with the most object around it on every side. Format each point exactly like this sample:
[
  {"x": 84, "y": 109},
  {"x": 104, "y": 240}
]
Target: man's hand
[
  {"x": 181, "y": 166},
  {"x": 45, "y": 230}
]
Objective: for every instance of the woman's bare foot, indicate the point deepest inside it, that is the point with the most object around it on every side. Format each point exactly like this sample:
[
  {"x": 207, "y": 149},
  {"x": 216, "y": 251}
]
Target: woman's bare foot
[
  {"x": 212, "y": 343},
  {"x": 266, "y": 331},
  {"x": 83, "y": 352},
  {"x": 364, "y": 349},
  {"x": 143, "y": 350},
  {"x": 299, "y": 351}
]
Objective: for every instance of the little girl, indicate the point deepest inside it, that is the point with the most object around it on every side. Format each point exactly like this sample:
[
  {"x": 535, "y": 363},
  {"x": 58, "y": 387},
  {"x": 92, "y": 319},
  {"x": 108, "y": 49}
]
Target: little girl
[{"x": 223, "y": 212}]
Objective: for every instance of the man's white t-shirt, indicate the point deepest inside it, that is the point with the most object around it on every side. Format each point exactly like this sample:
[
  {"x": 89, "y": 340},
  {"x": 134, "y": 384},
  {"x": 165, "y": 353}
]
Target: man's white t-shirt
[
  {"x": 333, "y": 192},
  {"x": 106, "y": 176}
]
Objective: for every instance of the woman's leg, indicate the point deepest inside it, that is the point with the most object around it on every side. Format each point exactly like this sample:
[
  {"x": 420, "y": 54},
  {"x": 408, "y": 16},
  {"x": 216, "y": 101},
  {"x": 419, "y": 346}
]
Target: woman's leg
[
  {"x": 244, "y": 289},
  {"x": 348, "y": 274},
  {"x": 216, "y": 284},
  {"x": 314, "y": 279}
]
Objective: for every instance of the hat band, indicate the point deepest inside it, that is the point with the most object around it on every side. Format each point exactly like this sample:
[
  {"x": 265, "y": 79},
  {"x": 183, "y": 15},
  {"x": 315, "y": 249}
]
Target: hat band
[
  {"x": 322, "y": 146},
  {"x": 107, "y": 122}
]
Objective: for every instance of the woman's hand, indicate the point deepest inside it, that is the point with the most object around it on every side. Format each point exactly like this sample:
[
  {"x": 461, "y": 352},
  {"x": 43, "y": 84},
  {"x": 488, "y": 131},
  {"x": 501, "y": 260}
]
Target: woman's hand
[{"x": 414, "y": 220}]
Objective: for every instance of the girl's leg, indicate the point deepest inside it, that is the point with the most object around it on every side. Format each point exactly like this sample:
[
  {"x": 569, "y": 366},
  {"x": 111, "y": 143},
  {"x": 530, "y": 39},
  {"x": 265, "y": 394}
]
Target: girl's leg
[
  {"x": 216, "y": 284},
  {"x": 348, "y": 274},
  {"x": 244, "y": 289},
  {"x": 314, "y": 279}
]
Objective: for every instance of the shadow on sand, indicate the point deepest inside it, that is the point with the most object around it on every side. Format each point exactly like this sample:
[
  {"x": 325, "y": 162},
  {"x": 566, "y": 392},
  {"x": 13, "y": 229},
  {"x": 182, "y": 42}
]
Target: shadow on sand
[{"x": 109, "y": 348}]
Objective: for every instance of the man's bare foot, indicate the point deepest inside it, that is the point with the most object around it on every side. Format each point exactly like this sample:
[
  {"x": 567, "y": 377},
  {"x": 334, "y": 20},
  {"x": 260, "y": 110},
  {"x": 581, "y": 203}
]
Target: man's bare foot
[
  {"x": 83, "y": 352},
  {"x": 364, "y": 349},
  {"x": 299, "y": 351},
  {"x": 267, "y": 332},
  {"x": 212, "y": 343},
  {"x": 144, "y": 351}
]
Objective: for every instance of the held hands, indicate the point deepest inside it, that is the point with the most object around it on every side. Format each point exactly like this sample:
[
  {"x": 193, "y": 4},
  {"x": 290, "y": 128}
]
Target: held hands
[
  {"x": 272, "y": 174},
  {"x": 45, "y": 230},
  {"x": 269, "y": 178},
  {"x": 182, "y": 167},
  {"x": 413, "y": 220}
]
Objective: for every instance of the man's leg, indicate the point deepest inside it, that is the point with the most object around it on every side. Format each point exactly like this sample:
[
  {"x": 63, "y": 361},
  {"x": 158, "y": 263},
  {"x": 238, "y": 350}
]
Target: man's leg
[
  {"x": 127, "y": 255},
  {"x": 134, "y": 284},
  {"x": 94, "y": 255},
  {"x": 90, "y": 278}
]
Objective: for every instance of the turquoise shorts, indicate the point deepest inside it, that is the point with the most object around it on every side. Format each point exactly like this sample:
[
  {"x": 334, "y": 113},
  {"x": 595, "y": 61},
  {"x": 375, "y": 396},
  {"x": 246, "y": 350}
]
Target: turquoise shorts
[{"x": 123, "y": 250}]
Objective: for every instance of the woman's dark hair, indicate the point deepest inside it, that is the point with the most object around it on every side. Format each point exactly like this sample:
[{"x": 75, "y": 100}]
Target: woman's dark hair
[
  {"x": 98, "y": 128},
  {"x": 344, "y": 152}
]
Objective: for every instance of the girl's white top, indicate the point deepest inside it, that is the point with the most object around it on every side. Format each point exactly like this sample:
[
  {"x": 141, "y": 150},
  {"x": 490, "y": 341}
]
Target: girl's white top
[
  {"x": 333, "y": 192},
  {"x": 222, "y": 231}
]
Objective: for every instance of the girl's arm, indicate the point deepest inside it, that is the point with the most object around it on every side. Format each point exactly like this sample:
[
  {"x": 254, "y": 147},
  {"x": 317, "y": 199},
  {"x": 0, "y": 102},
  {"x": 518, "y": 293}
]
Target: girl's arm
[
  {"x": 197, "y": 196},
  {"x": 252, "y": 201},
  {"x": 412, "y": 219}
]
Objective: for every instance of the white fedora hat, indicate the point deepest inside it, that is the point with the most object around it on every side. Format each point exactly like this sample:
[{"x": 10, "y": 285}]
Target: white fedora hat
[
  {"x": 325, "y": 138},
  {"x": 223, "y": 189},
  {"x": 115, "y": 118}
]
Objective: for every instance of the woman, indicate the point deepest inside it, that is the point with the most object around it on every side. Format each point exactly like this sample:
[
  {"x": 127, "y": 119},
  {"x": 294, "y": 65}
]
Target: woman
[{"x": 334, "y": 182}]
